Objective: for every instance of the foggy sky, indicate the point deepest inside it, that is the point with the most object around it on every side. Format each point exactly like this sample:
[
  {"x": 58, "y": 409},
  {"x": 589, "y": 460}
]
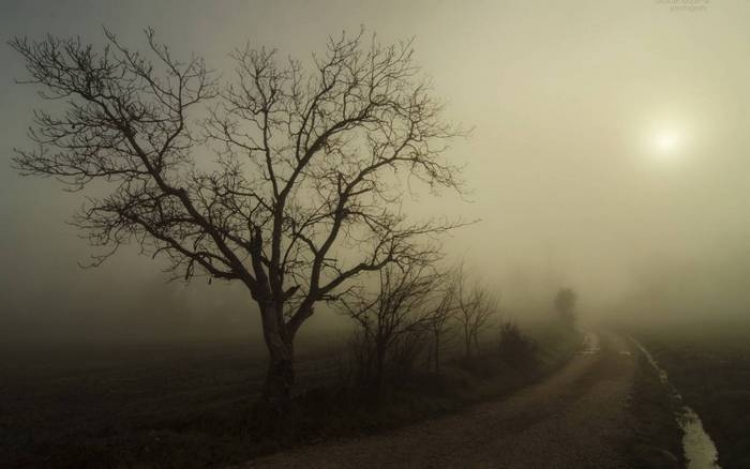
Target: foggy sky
[{"x": 567, "y": 101}]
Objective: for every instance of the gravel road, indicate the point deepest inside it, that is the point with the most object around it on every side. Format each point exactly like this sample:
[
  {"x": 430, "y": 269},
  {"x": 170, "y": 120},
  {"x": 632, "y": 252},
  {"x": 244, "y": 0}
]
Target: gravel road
[{"x": 576, "y": 418}]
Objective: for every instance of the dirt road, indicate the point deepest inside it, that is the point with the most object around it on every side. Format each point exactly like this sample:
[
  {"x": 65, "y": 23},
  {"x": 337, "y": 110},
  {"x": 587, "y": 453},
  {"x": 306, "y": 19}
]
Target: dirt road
[{"x": 574, "y": 419}]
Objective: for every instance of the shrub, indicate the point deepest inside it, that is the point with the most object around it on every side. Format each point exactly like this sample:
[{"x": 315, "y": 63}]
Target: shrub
[{"x": 514, "y": 347}]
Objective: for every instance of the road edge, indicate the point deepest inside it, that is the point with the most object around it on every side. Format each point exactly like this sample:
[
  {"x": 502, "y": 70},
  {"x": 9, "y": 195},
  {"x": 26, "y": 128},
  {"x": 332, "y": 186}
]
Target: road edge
[{"x": 656, "y": 436}]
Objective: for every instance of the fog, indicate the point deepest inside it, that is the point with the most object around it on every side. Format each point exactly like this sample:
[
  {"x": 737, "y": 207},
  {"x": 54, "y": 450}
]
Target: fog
[{"x": 608, "y": 153}]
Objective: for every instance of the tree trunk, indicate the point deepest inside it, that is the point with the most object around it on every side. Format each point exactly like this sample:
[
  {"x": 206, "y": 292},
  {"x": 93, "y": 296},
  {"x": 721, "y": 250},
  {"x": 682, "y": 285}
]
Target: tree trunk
[
  {"x": 380, "y": 366},
  {"x": 277, "y": 392},
  {"x": 437, "y": 352},
  {"x": 467, "y": 339}
]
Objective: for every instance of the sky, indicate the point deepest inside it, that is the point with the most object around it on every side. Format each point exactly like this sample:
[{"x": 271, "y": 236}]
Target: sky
[{"x": 608, "y": 151}]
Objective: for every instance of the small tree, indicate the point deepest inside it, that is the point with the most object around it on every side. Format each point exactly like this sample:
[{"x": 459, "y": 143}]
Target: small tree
[
  {"x": 392, "y": 318},
  {"x": 285, "y": 180},
  {"x": 565, "y": 303},
  {"x": 442, "y": 315},
  {"x": 475, "y": 306}
]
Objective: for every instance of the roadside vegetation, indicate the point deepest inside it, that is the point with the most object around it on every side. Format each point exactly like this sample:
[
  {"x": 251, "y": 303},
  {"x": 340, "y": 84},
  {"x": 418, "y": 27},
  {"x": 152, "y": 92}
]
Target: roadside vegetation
[{"x": 193, "y": 405}]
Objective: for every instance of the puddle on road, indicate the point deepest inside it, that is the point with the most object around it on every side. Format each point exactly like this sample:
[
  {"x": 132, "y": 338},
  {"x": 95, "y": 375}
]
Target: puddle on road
[
  {"x": 590, "y": 344},
  {"x": 700, "y": 450}
]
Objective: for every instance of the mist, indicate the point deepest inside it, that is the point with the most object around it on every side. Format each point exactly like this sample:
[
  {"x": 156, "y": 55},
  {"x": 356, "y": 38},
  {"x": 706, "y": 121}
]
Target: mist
[
  {"x": 578, "y": 292},
  {"x": 566, "y": 103},
  {"x": 562, "y": 165}
]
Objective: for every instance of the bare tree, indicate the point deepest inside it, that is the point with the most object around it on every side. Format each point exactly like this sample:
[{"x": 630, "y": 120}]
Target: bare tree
[
  {"x": 394, "y": 316},
  {"x": 475, "y": 307},
  {"x": 285, "y": 180},
  {"x": 443, "y": 313}
]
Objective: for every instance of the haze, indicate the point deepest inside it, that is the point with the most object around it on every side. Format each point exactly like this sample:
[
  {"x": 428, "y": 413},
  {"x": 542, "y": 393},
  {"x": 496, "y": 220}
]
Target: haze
[{"x": 608, "y": 153}]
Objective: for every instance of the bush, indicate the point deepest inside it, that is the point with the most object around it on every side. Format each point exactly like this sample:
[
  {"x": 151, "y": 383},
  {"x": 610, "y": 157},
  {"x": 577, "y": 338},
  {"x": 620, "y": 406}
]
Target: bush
[
  {"x": 514, "y": 347},
  {"x": 399, "y": 361},
  {"x": 406, "y": 352}
]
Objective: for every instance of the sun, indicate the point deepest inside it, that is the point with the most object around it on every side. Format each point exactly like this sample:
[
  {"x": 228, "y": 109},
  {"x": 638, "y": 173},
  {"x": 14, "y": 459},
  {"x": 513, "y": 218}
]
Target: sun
[{"x": 667, "y": 143}]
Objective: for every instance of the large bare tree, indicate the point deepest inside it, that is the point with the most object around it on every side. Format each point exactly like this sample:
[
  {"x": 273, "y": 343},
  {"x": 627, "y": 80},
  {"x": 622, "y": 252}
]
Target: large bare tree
[{"x": 287, "y": 178}]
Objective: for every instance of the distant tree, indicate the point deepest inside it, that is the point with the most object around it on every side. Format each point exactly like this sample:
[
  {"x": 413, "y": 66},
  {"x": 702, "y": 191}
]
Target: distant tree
[
  {"x": 287, "y": 180},
  {"x": 565, "y": 303}
]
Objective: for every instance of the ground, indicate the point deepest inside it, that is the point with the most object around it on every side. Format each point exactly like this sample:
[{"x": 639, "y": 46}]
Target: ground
[
  {"x": 578, "y": 418},
  {"x": 710, "y": 367},
  {"x": 188, "y": 407}
]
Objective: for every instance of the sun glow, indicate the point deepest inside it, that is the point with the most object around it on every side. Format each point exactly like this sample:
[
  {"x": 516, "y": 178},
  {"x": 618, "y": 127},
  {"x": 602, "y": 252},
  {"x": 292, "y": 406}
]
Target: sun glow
[{"x": 667, "y": 144}]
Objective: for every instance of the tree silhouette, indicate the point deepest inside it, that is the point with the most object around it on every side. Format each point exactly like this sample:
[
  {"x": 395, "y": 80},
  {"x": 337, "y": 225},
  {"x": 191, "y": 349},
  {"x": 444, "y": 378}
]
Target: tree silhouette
[
  {"x": 287, "y": 180},
  {"x": 443, "y": 314},
  {"x": 474, "y": 307},
  {"x": 398, "y": 313},
  {"x": 565, "y": 303}
]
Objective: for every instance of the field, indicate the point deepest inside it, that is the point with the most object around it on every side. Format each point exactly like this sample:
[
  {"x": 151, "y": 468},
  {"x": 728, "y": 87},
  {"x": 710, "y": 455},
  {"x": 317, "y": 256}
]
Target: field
[
  {"x": 189, "y": 405},
  {"x": 710, "y": 367},
  {"x": 65, "y": 407}
]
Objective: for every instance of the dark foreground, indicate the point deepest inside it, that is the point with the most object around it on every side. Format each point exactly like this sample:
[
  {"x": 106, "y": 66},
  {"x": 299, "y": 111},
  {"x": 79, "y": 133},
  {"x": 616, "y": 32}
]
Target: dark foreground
[
  {"x": 577, "y": 418},
  {"x": 190, "y": 407},
  {"x": 168, "y": 405},
  {"x": 710, "y": 367}
]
